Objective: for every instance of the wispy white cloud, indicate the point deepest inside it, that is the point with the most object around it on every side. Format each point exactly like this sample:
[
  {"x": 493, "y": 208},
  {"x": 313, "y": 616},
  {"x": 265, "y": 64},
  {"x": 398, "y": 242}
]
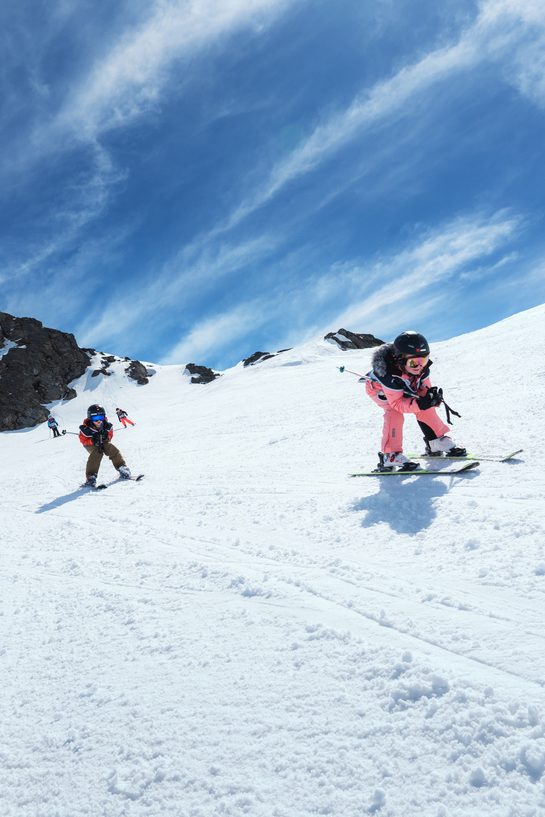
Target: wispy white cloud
[
  {"x": 57, "y": 291},
  {"x": 415, "y": 273},
  {"x": 419, "y": 280},
  {"x": 216, "y": 333},
  {"x": 131, "y": 78},
  {"x": 80, "y": 202},
  {"x": 119, "y": 86},
  {"x": 481, "y": 272},
  {"x": 507, "y": 33},
  {"x": 192, "y": 273}
]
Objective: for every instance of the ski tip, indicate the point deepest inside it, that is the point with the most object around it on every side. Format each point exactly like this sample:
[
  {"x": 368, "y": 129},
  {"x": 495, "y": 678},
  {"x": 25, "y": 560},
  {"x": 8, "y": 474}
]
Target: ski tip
[
  {"x": 469, "y": 466},
  {"x": 512, "y": 455}
]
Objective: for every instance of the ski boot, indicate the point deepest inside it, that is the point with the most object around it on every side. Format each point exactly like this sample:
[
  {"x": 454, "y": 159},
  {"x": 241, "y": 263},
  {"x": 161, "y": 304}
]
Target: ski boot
[
  {"x": 444, "y": 445},
  {"x": 124, "y": 472},
  {"x": 91, "y": 481},
  {"x": 395, "y": 460}
]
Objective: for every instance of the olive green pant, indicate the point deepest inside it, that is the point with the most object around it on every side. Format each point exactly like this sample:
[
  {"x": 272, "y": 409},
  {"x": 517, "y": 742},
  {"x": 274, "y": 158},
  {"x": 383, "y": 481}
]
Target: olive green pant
[{"x": 95, "y": 458}]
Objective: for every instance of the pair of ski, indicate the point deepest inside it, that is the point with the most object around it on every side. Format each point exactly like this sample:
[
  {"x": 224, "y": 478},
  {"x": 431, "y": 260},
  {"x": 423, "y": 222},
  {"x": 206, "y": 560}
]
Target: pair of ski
[
  {"x": 102, "y": 485},
  {"x": 470, "y": 462}
]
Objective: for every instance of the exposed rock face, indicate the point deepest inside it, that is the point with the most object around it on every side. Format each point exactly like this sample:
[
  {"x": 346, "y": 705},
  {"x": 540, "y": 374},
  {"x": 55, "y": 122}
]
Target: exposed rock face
[
  {"x": 352, "y": 340},
  {"x": 259, "y": 357},
  {"x": 137, "y": 371},
  {"x": 36, "y": 365},
  {"x": 200, "y": 374}
]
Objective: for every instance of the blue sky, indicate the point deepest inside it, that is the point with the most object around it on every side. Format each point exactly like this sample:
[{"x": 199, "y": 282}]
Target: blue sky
[{"x": 195, "y": 181}]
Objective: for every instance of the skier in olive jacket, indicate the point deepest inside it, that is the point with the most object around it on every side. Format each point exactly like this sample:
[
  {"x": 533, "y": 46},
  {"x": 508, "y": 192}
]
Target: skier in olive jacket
[
  {"x": 96, "y": 434},
  {"x": 400, "y": 384}
]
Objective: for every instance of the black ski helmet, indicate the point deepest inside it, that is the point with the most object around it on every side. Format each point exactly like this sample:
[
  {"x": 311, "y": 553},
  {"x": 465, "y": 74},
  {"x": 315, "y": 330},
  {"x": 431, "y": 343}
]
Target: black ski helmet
[
  {"x": 95, "y": 409},
  {"x": 411, "y": 344}
]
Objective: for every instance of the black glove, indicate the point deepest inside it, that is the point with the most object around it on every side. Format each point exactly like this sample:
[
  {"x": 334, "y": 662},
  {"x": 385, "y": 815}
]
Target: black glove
[
  {"x": 433, "y": 397},
  {"x": 100, "y": 437}
]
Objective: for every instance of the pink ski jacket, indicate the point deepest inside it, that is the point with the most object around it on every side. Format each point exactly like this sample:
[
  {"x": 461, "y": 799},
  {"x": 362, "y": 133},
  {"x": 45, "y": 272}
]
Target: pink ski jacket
[{"x": 392, "y": 387}]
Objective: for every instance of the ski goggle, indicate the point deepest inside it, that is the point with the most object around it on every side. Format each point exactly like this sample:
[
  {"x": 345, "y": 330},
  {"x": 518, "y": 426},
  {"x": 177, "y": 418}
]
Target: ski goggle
[
  {"x": 416, "y": 362},
  {"x": 95, "y": 418}
]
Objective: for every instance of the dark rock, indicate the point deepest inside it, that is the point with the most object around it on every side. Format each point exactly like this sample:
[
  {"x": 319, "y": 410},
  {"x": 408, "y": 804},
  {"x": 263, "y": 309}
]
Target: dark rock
[
  {"x": 35, "y": 370},
  {"x": 200, "y": 374},
  {"x": 137, "y": 371},
  {"x": 352, "y": 340},
  {"x": 257, "y": 357}
]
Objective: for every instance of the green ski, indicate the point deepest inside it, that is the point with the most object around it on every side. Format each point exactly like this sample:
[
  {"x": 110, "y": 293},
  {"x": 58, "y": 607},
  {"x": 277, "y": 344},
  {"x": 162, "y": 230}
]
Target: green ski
[
  {"x": 498, "y": 458},
  {"x": 420, "y": 472}
]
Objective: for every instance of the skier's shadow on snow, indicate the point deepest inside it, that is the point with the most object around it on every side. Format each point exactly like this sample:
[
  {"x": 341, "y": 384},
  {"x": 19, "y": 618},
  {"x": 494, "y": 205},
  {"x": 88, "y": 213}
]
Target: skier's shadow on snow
[
  {"x": 407, "y": 508},
  {"x": 61, "y": 500}
]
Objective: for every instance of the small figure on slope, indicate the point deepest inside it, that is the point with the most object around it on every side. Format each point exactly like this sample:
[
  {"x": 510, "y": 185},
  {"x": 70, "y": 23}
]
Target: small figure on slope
[
  {"x": 95, "y": 434},
  {"x": 53, "y": 425},
  {"x": 123, "y": 418},
  {"x": 400, "y": 384}
]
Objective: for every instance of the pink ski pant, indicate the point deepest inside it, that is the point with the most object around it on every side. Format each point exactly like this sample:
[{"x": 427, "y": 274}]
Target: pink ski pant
[{"x": 392, "y": 430}]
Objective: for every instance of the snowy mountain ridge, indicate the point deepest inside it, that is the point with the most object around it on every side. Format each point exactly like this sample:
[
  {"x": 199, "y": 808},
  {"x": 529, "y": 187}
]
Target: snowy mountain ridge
[{"x": 249, "y": 631}]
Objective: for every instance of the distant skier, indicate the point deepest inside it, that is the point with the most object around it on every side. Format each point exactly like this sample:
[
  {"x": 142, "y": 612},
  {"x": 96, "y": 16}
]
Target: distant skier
[
  {"x": 53, "y": 425},
  {"x": 400, "y": 384},
  {"x": 95, "y": 434},
  {"x": 123, "y": 418}
]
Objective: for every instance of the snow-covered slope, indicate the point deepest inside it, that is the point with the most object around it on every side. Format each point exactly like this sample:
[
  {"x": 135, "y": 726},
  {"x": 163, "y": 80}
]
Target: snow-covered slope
[{"x": 249, "y": 631}]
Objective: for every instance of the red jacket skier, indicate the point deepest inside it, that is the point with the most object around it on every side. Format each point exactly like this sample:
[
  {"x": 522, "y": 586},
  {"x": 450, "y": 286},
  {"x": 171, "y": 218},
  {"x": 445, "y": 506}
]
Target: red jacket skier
[
  {"x": 400, "y": 384},
  {"x": 95, "y": 434}
]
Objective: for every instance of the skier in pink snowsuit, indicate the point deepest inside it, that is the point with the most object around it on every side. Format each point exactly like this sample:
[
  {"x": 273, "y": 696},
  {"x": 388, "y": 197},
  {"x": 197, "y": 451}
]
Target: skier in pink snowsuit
[{"x": 400, "y": 384}]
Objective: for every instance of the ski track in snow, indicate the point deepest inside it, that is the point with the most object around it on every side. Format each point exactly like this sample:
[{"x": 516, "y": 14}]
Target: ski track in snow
[{"x": 248, "y": 631}]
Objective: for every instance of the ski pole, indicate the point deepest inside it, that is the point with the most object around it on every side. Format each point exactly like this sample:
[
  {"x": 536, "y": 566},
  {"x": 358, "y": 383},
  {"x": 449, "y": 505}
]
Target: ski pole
[{"x": 361, "y": 376}]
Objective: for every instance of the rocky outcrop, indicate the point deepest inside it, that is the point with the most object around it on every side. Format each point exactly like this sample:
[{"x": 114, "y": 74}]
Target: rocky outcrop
[
  {"x": 137, "y": 371},
  {"x": 36, "y": 366},
  {"x": 352, "y": 340},
  {"x": 259, "y": 357},
  {"x": 200, "y": 374}
]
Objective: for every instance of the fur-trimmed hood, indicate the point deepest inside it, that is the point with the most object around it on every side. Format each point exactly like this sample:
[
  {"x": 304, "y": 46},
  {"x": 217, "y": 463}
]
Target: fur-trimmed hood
[
  {"x": 387, "y": 371},
  {"x": 383, "y": 360}
]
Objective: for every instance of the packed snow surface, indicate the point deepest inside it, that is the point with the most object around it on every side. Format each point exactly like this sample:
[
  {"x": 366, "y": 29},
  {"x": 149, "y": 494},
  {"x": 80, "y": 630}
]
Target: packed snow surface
[{"x": 249, "y": 631}]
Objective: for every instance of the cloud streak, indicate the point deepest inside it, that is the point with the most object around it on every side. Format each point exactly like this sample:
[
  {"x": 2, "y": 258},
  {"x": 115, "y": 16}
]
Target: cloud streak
[
  {"x": 190, "y": 274},
  {"x": 216, "y": 332},
  {"x": 80, "y": 203},
  {"x": 130, "y": 79},
  {"x": 511, "y": 34},
  {"x": 419, "y": 278},
  {"x": 416, "y": 272}
]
